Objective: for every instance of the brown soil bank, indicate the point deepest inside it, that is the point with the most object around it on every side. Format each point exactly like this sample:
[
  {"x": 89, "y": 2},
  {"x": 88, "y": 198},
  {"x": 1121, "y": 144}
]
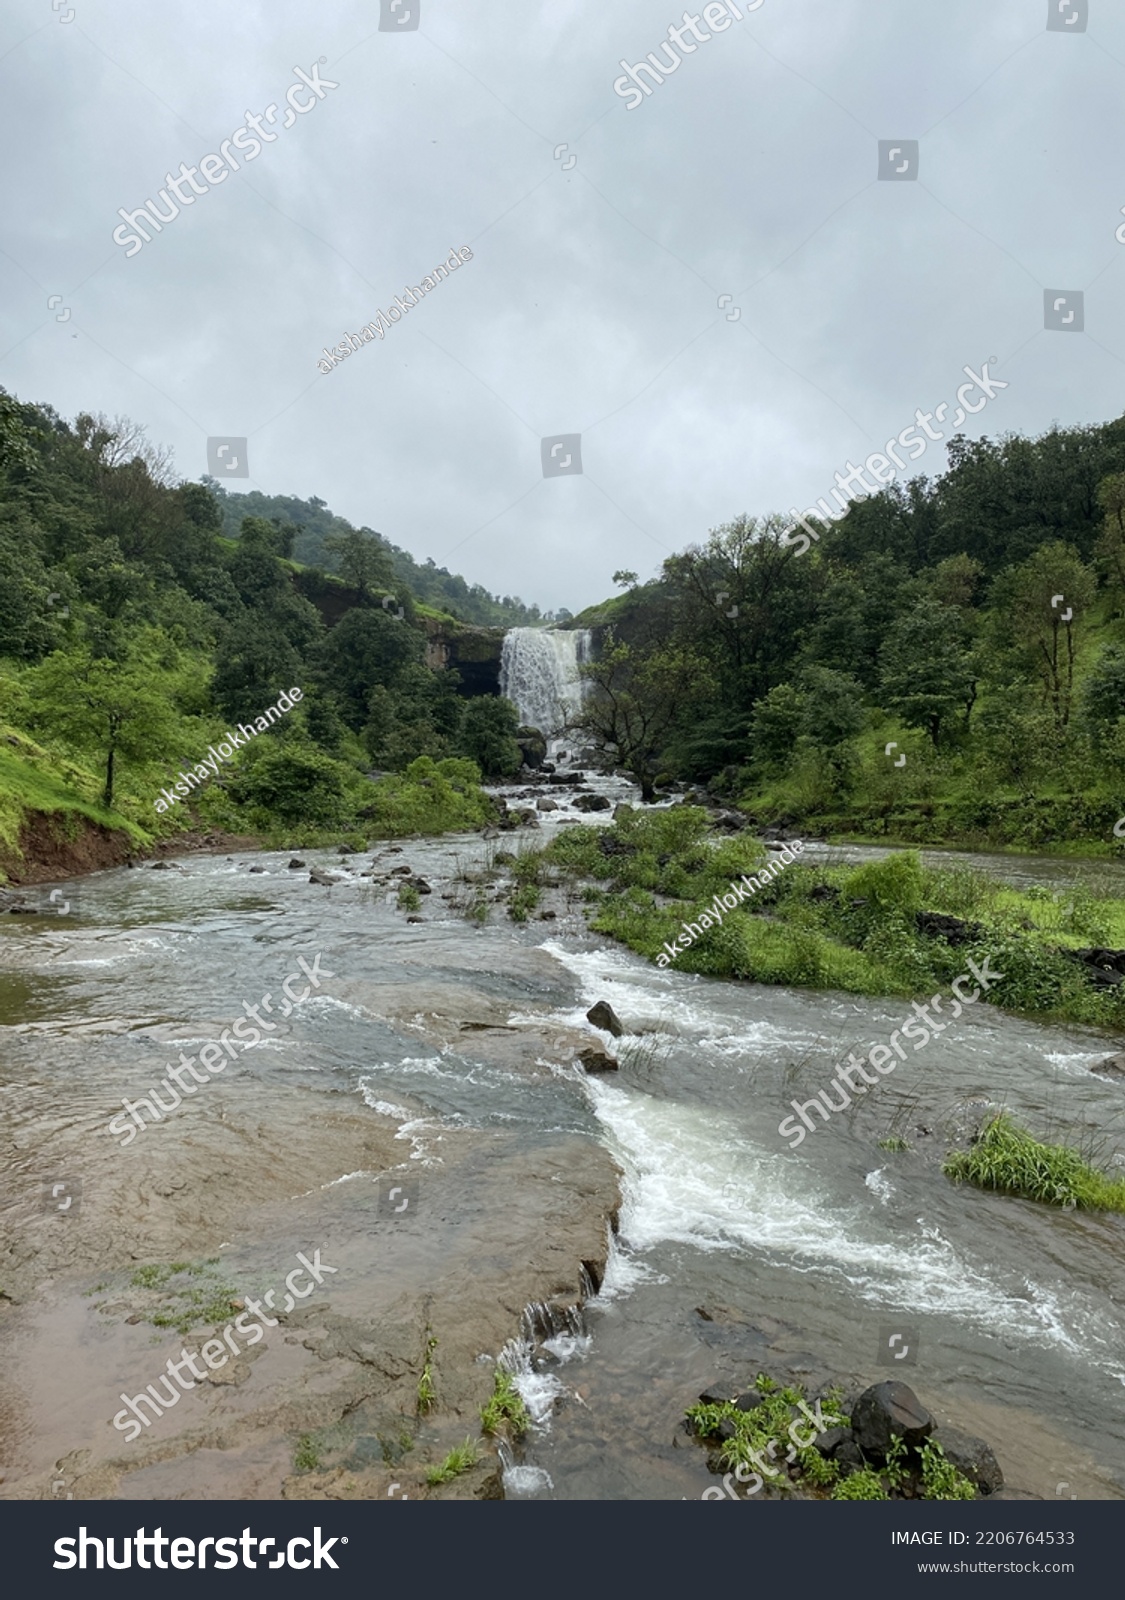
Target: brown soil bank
[{"x": 55, "y": 846}]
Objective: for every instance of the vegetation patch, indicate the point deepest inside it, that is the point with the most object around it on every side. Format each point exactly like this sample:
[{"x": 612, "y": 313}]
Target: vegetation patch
[{"x": 1006, "y": 1158}]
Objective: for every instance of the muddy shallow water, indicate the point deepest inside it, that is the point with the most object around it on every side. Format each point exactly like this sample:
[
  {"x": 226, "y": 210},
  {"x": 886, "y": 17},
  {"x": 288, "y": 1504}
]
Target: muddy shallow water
[{"x": 438, "y": 1059}]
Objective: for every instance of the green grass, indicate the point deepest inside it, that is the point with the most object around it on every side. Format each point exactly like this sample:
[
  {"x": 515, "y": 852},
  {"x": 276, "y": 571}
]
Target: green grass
[
  {"x": 459, "y": 1460},
  {"x": 409, "y": 898},
  {"x": 33, "y": 781},
  {"x": 187, "y": 1304},
  {"x": 837, "y": 926},
  {"x": 306, "y": 1457},
  {"x": 427, "y": 1391},
  {"x": 1006, "y": 1158},
  {"x": 505, "y": 1409}
]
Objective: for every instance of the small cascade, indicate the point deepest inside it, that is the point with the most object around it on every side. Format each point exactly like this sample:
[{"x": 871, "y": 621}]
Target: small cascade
[{"x": 539, "y": 674}]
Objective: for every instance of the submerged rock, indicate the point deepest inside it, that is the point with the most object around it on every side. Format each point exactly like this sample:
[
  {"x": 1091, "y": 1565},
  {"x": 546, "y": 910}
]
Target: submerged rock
[{"x": 597, "y": 1061}]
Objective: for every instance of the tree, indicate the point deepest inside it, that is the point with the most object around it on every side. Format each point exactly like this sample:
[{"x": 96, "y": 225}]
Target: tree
[
  {"x": 488, "y": 735},
  {"x": 925, "y": 672},
  {"x": 638, "y": 697},
  {"x": 364, "y": 649},
  {"x": 364, "y": 561},
  {"x": 118, "y": 709},
  {"x": 1039, "y": 608},
  {"x": 626, "y": 579}
]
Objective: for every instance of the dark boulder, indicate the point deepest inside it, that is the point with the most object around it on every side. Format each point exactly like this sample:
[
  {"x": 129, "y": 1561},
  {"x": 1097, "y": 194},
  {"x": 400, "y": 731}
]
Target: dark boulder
[
  {"x": 546, "y": 805},
  {"x": 294, "y": 864},
  {"x": 748, "y": 1400},
  {"x": 602, "y": 1015},
  {"x": 885, "y": 1411},
  {"x": 1106, "y": 968},
  {"x": 325, "y": 879},
  {"x": 970, "y": 1456},
  {"x": 420, "y": 884},
  {"x": 831, "y": 1440},
  {"x": 936, "y": 925},
  {"x": 591, "y": 802},
  {"x": 597, "y": 1061}
]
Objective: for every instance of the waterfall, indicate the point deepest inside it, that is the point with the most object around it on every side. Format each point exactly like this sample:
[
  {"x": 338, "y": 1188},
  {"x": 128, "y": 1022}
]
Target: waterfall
[{"x": 539, "y": 674}]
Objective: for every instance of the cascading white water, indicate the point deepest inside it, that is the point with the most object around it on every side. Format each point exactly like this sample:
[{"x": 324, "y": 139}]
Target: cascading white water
[{"x": 539, "y": 674}]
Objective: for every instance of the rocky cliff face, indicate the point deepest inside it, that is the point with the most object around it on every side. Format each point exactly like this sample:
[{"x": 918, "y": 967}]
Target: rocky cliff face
[{"x": 473, "y": 652}]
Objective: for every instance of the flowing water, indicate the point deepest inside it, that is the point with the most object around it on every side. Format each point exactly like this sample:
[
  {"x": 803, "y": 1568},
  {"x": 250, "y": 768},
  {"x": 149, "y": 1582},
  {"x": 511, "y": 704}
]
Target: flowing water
[
  {"x": 734, "y": 1251},
  {"x": 539, "y": 674}
]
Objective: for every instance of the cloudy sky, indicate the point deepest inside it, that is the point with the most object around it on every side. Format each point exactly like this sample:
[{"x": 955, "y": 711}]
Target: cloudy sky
[{"x": 603, "y": 239}]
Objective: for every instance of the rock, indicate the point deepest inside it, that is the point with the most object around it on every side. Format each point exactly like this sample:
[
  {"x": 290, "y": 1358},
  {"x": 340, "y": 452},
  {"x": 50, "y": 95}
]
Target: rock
[
  {"x": 748, "y": 1400},
  {"x": 848, "y": 1456},
  {"x": 346, "y": 850},
  {"x": 548, "y": 916},
  {"x": 415, "y": 919},
  {"x": 718, "y": 1394},
  {"x": 597, "y": 1061},
  {"x": 972, "y": 1457},
  {"x": 164, "y": 866},
  {"x": 1106, "y": 968},
  {"x": 622, "y": 811},
  {"x": 546, "y": 805},
  {"x": 420, "y": 884},
  {"x": 294, "y": 864},
  {"x": 886, "y": 1410},
  {"x": 325, "y": 879},
  {"x": 533, "y": 747},
  {"x": 591, "y": 802},
  {"x": 1111, "y": 1067},
  {"x": 257, "y": 869},
  {"x": 547, "y": 766},
  {"x": 504, "y": 858},
  {"x": 402, "y": 872},
  {"x": 602, "y": 1015},
  {"x": 829, "y": 1442},
  {"x": 936, "y": 925}
]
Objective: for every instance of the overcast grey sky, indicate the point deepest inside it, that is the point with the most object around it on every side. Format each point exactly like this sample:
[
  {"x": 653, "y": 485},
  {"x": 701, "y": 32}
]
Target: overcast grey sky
[{"x": 591, "y": 303}]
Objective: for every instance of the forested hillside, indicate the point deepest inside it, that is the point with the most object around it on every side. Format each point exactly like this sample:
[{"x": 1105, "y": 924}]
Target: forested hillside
[
  {"x": 135, "y": 635},
  {"x": 947, "y": 660},
  {"x": 313, "y": 530}
]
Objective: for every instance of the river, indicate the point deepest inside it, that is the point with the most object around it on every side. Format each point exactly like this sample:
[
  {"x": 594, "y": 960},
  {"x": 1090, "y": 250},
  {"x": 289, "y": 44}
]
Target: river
[{"x": 732, "y": 1251}]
